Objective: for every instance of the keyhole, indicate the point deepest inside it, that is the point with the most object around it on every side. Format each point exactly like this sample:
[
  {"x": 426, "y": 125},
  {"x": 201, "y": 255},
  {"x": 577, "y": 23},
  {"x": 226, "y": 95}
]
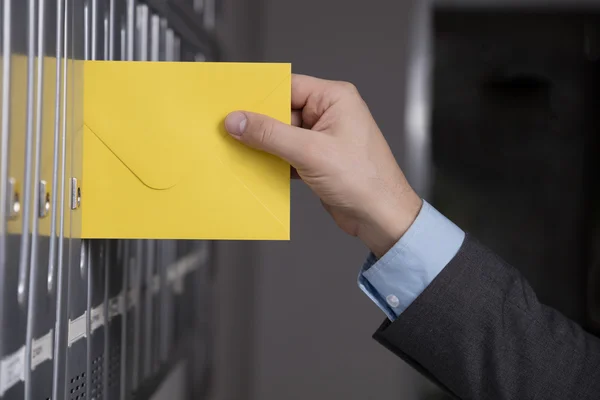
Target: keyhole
[
  {"x": 47, "y": 205},
  {"x": 16, "y": 206}
]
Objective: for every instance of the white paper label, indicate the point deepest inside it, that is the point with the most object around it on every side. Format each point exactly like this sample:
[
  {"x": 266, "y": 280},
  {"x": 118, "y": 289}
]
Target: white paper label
[
  {"x": 171, "y": 273},
  {"x": 42, "y": 349},
  {"x": 12, "y": 370},
  {"x": 77, "y": 328},
  {"x": 191, "y": 262},
  {"x": 178, "y": 270},
  {"x": 97, "y": 317},
  {"x": 115, "y": 306}
]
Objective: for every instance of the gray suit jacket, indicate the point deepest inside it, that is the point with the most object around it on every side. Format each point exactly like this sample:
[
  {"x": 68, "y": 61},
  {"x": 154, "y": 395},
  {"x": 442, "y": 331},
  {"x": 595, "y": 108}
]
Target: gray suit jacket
[{"x": 479, "y": 332}]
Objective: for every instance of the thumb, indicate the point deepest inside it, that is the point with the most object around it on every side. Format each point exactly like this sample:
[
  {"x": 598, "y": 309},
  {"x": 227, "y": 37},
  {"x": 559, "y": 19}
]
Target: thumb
[{"x": 268, "y": 134}]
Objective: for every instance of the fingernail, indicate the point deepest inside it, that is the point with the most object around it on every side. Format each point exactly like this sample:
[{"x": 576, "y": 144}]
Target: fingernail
[{"x": 235, "y": 123}]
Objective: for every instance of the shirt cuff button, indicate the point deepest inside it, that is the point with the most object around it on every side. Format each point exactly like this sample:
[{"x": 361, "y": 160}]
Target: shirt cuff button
[{"x": 392, "y": 301}]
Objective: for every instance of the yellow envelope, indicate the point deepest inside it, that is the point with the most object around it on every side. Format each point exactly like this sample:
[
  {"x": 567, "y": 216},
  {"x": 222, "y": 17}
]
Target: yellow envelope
[{"x": 158, "y": 163}]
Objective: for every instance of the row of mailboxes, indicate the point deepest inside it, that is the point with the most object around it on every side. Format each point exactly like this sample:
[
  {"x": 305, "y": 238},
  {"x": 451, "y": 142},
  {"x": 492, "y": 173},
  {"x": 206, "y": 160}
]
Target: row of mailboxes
[{"x": 81, "y": 319}]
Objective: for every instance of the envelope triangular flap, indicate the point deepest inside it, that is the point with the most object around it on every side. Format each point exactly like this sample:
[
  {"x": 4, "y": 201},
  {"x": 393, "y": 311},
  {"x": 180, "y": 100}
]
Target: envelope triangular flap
[{"x": 155, "y": 116}]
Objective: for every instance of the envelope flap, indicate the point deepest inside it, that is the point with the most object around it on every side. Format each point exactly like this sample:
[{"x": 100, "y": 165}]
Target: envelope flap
[{"x": 157, "y": 117}]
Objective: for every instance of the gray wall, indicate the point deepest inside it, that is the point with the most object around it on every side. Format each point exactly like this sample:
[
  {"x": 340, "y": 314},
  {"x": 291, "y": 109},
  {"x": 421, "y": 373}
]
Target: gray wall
[
  {"x": 236, "y": 262},
  {"x": 291, "y": 312}
]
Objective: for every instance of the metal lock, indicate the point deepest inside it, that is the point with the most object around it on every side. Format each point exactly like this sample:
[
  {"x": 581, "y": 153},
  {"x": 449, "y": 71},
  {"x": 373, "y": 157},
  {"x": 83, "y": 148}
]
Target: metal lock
[
  {"x": 13, "y": 207},
  {"x": 75, "y": 194},
  {"x": 44, "y": 200}
]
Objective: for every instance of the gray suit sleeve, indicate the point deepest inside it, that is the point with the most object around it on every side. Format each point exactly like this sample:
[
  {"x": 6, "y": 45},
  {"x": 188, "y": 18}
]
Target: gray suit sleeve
[{"x": 479, "y": 332}]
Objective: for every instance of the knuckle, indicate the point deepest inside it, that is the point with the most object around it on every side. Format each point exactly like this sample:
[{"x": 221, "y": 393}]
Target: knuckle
[{"x": 348, "y": 88}]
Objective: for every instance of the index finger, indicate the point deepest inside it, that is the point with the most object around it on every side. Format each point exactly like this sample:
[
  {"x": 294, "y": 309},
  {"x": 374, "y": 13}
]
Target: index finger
[{"x": 302, "y": 88}]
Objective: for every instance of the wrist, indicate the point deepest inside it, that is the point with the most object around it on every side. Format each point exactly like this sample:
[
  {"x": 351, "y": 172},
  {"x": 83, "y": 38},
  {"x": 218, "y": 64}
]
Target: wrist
[{"x": 389, "y": 221}]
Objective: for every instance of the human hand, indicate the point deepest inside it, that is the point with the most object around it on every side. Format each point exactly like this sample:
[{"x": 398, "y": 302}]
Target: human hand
[{"x": 338, "y": 150}]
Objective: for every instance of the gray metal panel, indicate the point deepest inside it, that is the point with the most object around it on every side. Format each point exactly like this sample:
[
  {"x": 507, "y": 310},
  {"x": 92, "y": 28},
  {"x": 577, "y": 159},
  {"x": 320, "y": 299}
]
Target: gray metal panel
[
  {"x": 61, "y": 277},
  {"x": 130, "y": 320},
  {"x": 189, "y": 295},
  {"x": 78, "y": 266},
  {"x": 4, "y": 152},
  {"x": 142, "y": 40},
  {"x": 177, "y": 49},
  {"x": 106, "y": 31},
  {"x": 144, "y": 249},
  {"x": 154, "y": 37},
  {"x": 198, "y": 6},
  {"x": 165, "y": 249},
  {"x": 130, "y": 315},
  {"x": 14, "y": 323},
  {"x": 123, "y": 37},
  {"x": 168, "y": 257},
  {"x": 116, "y": 256},
  {"x": 42, "y": 303},
  {"x": 184, "y": 293},
  {"x": 28, "y": 189},
  {"x": 13, "y": 317},
  {"x": 98, "y": 14},
  {"x": 55, "y": 206},
  {"x": 162, "y": 37},
  {"x": 131, "y": 29},
  {"x": 96, "y": 318},
  {"x": 157, "y": 284},
  {"x": 129, "y": 311},
  {"x": 134, "y": 337},
  {"x": 209, "y": 14},
  {"x": 201, "y": 359},
  {"x": 144, "y": 316},
  {"x": 116, "y": 262},
  {"x": 117, "y": 26},
  {"x": 170, "y": 45},
  {"x": 418, "y": 139},
  {"x": 174, "y": 385},
  {"x": 151, "y": 309},
  {"x": 96, "y": 279},
  {"x": 78, "y": 379}
]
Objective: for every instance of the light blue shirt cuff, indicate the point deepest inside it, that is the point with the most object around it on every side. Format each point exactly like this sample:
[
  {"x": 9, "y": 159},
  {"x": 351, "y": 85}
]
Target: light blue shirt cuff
[{"x": 403, "y": 273}]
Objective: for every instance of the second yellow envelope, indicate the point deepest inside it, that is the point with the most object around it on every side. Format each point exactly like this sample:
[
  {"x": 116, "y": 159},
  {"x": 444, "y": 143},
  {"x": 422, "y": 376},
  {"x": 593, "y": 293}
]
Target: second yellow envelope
[{"x": 158, "y": 164}]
